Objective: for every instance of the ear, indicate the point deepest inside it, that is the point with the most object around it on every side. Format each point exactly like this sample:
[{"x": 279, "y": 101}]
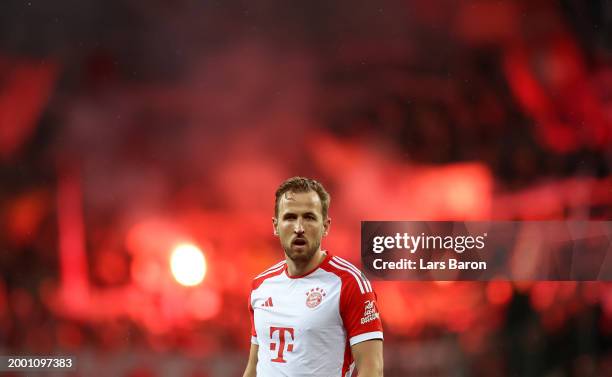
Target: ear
[
  {"x": 275, "y": 226},
  {"x": 326, "y": 225}
]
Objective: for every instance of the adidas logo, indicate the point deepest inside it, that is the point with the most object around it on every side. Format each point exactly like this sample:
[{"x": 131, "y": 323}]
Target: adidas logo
[{"x": 268, "y": 302}]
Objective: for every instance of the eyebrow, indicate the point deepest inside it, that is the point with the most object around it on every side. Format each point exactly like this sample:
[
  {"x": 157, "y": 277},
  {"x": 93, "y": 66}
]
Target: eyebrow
[{"x": 309, "y": 213}]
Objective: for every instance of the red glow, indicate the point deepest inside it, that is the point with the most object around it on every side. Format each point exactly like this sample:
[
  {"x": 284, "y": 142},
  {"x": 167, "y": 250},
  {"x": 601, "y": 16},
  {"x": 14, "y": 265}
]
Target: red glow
[
  {"x": 26, "y": 87},
  {"x": 543, "y": 295},
  {"x": 73, "y": 263},
  {"x": 566, "y": 110},
  {"x": 591, "y": 292},
  {"x": 150, "y": 242},
  {"x": 25, "y": 215},
  {"x": 487, "y": 22},
  {"x": 567, "y": 290},
  {"x": 3, "y": 298},
  {"x": 204, "y": 304},
  {"x": 154, "y": 237},
  {"x": 458, "y": 191},
  {"x": 110, "y": 266},
  {"x": 69, "y": 336},
  {"x": 147, "y": 273},
  {"x": 459, "y": 320},
  {"x": 499, "y": 292},
  {"x": 606, "y": 301}
]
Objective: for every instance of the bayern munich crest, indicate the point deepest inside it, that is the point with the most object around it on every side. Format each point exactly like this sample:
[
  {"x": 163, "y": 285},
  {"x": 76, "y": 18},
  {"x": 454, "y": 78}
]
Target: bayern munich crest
[{"x": 314, "y": 297}]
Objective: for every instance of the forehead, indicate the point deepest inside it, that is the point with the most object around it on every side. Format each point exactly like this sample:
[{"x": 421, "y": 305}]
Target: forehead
[{"x": 300, "y": 202}]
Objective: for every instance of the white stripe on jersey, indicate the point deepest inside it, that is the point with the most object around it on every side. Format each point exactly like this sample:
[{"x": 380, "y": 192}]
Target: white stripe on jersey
[
  {"x": 365, "y": 336},
  {"x": 349, "y": 271},
  {"x": 349, "y": 372},
  {"x": 348, "y": 264},
  {"x": 277, "y": 267},
  {"x": 273, "y": 267}
]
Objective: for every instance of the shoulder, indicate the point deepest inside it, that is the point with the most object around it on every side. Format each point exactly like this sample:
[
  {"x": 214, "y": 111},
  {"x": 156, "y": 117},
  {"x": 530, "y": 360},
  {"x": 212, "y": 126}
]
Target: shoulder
[
  {"x": 271, "y": 271},
  {"x": 350, "y": 275}
]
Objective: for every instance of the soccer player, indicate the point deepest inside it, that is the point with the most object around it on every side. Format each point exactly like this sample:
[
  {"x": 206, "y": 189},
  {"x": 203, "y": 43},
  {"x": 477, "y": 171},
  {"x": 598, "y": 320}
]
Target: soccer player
[{"x": 312, "y": 314}]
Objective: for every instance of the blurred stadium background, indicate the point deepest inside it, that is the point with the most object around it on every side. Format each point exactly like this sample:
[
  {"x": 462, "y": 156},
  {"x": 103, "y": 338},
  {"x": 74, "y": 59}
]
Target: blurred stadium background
[{"x": 132, "y": 130}]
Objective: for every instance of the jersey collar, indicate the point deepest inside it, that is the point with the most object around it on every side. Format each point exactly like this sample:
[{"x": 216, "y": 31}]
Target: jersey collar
[{"x": 323, "y": 262}]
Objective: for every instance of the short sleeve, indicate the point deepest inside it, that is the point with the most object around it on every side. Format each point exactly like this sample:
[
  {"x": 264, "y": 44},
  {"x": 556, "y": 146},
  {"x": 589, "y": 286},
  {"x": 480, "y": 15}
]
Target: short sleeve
[
  {"x": 251, "y": 316},
  {"x": 359, "y": 311}
]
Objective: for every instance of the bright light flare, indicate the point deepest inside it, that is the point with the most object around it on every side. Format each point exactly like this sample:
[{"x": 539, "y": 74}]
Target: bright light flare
[{"x": 188, "y": 265}]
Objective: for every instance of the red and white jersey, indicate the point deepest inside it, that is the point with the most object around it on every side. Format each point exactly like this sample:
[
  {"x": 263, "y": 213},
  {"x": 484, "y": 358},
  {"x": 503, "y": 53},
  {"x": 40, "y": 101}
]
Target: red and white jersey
[{"x": 305, "y": 325}]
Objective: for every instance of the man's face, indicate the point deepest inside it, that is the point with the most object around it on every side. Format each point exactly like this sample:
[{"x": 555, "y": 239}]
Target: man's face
[{"x": 300, "y": 224}]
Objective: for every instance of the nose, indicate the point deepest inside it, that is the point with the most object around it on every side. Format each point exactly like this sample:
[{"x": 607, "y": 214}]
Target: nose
[{"x": 299, "y": 227}]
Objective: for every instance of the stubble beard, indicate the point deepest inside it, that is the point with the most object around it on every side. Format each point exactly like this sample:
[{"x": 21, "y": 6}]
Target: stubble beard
[{"x": 302, "y": 258}]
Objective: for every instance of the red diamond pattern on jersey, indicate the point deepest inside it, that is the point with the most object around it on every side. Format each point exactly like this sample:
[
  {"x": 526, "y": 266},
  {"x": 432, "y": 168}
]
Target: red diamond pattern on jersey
[{"x": 295, "y": 335}]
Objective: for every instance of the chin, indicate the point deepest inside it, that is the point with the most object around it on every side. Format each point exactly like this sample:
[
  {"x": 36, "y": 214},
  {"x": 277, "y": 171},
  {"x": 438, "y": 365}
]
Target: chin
[{"x": 302, "y": 256}]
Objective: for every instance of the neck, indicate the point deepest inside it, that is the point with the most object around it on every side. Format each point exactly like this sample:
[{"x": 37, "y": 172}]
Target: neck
[{"x": 296, "y": 268}]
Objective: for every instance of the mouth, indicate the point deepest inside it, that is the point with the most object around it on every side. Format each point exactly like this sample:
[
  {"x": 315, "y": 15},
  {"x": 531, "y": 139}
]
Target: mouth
[{"x": 299, "y": 242}]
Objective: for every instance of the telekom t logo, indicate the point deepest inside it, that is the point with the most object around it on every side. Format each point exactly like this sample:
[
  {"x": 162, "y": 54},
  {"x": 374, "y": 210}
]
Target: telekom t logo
[{"x": 281, "y": 339}]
